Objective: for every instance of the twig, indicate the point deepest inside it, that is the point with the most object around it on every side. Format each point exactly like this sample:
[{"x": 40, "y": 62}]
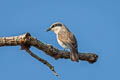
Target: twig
[{"x": 42, "y": 60}]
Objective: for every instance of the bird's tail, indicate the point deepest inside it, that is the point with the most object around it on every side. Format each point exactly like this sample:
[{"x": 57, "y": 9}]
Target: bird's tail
[{"x": 74, "y": 55}]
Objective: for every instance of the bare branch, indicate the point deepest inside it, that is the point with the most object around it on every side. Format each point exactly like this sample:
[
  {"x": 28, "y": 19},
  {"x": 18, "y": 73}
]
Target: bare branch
[
  {"x": 26, "y": 41},
  {"x": 41, "y": 60},
  {"x": 58, "y": 54}
]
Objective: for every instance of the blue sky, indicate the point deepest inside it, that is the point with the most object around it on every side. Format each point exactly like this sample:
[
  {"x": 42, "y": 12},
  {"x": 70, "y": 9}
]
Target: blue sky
[{"x": 95, "y": 23}]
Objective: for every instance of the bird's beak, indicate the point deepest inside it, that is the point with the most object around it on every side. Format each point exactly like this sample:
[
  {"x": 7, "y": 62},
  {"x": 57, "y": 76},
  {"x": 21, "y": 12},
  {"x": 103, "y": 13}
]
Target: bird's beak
[{"x": 49, "y": 29}]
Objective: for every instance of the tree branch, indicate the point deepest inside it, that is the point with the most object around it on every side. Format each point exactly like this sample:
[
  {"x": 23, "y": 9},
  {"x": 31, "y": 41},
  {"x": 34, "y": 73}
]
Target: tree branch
[
  {"x": 41, "y": 60},
  {"x": 26, "y": 41}
]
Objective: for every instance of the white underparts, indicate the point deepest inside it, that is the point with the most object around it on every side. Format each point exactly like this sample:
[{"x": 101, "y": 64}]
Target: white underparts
[
  {"x": 56, "y": 31},
  {"x": 61, "y": 43}
]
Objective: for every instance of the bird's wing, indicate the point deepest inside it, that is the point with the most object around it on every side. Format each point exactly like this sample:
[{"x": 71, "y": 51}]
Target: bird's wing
[
  {"x": 67, "y": 38},
  {"x": 72, "y": 40}
]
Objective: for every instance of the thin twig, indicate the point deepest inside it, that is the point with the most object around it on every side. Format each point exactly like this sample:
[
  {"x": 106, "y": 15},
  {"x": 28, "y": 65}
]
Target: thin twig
[{"x": 41, "y": 60}]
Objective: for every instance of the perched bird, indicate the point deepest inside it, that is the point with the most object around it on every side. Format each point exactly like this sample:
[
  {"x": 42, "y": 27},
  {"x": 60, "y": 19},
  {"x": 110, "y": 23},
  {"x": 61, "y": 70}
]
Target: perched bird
[{"x": 66, "y": 39}]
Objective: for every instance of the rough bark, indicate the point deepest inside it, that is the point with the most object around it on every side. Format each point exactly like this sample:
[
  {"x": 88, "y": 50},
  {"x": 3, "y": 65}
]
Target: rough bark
[{"x": 26, "y": 41}]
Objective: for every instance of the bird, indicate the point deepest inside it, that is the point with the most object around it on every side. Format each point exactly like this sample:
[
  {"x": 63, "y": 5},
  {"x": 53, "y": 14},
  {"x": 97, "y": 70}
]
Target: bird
[{"x": 66, "y": 39}]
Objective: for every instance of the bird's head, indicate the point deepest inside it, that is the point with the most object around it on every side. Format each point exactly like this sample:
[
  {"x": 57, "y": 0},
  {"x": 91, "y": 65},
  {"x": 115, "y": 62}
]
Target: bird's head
[{"x": 55, "y": 27}]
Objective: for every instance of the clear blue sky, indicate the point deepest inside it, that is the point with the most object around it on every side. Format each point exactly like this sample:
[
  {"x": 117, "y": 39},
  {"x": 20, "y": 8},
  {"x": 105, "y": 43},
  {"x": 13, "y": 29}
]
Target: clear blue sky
[{"x": 95, "y": 23}]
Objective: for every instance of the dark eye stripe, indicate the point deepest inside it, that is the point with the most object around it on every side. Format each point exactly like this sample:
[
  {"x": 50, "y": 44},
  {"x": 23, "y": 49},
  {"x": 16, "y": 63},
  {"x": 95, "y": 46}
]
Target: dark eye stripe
[
  {"x": 56, "y": 25},
  {"x": 53, "y": 26}
]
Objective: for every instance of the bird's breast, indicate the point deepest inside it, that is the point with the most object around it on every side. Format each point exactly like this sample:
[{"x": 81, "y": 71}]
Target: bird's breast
[{"x": 61, "y": 43}]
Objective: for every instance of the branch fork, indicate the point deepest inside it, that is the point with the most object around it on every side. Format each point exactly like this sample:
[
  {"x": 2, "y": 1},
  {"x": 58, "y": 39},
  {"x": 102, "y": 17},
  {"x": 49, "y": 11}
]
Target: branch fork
[{"x": 26, "y": 41}]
